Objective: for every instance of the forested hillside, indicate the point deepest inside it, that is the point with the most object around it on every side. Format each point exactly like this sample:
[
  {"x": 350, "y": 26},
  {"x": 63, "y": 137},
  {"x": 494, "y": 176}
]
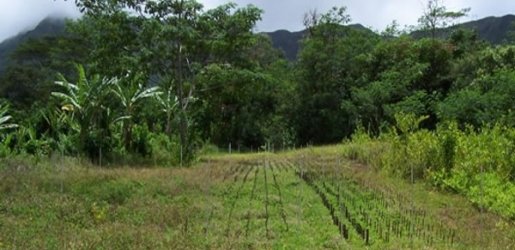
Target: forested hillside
[{"x": 47, "y": 28}]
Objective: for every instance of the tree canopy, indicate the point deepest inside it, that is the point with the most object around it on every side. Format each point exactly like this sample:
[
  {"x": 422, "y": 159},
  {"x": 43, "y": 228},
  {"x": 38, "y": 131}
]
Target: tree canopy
[{"x": 171, "y": 74}]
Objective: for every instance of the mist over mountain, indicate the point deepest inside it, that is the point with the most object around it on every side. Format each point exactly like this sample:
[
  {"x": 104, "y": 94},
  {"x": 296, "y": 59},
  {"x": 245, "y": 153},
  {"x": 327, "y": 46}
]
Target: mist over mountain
[{"x": 50, "y": 26}]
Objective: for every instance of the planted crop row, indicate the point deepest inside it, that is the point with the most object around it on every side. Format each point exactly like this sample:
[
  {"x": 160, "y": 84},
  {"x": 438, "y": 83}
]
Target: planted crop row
[
  {"x": 236, "y": 198},
  {"x": 255, "y": 196},
  {"x": 374, "y": 217},
  {"x": 281, "y": 203},
  {"x": 252, "y": 197},
  {"x": 400, "y": 219},
  {"x": 342, "y": 227}
]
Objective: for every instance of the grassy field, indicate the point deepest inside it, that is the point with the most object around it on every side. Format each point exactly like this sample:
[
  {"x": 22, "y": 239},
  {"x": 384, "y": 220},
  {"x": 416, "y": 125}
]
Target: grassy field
[{"x": 305, "y": 199}]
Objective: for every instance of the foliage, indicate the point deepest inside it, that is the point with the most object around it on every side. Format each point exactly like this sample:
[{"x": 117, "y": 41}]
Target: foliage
[
  {"x": 173, "y": 68},
  {"x": 5, "y": 148},
  {"x": 4, "y": 118},
  {"x": 488, "y": 99},
  {"x": 165, "y": 150},
  {"x": 237, "y": 112},
  {"x": 472, "y": 163},
  {"x": 325, "y": 72},
  {"x": 437, "y": 17},
  {"x": 131, "y": 98},
  {"x": 86, "y": 102}
]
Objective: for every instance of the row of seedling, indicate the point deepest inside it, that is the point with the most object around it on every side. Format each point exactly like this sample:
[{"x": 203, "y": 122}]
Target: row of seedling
[
  {"x": 341, "y": 225},
  {"x": 236, "y": 196},
  {"x": 267, "y": 202},
  {"x": 229, "y": 173},
  {"x": 278, "y": 189},
  {"x": 373, "y": 216},
  {"x": 283, "y": 166},
  {"x": 400, "y": 218},
  {"x": 252, "y": 197},
  {"x": 232, "y": 172}
]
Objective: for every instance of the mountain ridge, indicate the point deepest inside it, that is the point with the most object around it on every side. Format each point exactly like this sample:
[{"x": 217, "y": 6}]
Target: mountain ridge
[
  {"x": 50, "y": 26},
  {"x": 492, "y": 29}
]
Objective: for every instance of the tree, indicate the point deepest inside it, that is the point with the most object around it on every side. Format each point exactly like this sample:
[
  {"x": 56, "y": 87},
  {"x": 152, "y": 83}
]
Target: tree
[
  {"x": 335, "y": 16},
  {"x": 87, "y": 102},
  {"x": 488, "y": 99},
  {"x": 131, "y": 98},
  {"x": 326, "y": 72},
  {"x": 169, "y": 42},
  {"x": 436, "y": 16},
  {"x": 239, "y": 105}
]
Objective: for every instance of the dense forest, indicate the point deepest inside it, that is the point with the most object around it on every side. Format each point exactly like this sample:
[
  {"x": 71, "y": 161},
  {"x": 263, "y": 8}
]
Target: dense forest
[{"x": 160, "y": 82}]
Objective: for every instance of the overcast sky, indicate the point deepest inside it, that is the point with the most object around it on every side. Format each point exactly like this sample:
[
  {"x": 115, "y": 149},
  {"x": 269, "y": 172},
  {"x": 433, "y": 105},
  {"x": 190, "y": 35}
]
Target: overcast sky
[{"x": 20, "y": 15}]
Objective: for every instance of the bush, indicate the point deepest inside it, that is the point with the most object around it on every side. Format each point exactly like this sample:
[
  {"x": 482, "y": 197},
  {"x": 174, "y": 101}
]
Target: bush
[
  {"x": 364, "y": 149},
  {"x": 490, "y": 191},
  {"x": 448, "y": 158},
  {"x": 166, "y": 150},
  {"x": 208, "y": 148}
]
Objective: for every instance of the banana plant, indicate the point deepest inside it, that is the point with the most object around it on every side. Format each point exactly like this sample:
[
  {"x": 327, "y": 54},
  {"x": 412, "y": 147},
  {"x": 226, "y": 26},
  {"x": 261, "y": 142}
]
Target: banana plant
[
  {"x": 4, "y": 125},
  {"x": 130, "y": 98},
  {"x": 169, "y": 103},
  {"x": 86, "y": 101},
  {"x": 4, "y": 118},
  {"x": 28, "y": 142}
]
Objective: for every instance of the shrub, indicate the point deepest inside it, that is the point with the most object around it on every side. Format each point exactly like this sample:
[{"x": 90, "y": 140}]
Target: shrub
[
  {"x": 449, "y": 158},
  {"x": 165, "y": 150}
]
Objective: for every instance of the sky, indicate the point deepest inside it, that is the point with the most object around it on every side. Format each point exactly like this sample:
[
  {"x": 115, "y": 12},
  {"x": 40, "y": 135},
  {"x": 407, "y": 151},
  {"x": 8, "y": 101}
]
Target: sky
[{"x": 20, "y": 15}]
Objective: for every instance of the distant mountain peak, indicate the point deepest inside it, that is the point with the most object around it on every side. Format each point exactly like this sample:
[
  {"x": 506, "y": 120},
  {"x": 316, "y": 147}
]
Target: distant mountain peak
[
  {"x": 288, "y": 41},
  {"x": 491, "y": 29},
  {"x": 50, "y": 26}
]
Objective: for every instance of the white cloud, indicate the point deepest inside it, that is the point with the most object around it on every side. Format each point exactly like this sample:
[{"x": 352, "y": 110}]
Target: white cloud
[
  {"x": 287, "y": 14},
  {"x": 19, "y": 15}
]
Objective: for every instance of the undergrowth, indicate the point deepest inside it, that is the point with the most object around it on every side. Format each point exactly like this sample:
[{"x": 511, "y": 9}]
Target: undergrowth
[{"x": 479, "y": 164}]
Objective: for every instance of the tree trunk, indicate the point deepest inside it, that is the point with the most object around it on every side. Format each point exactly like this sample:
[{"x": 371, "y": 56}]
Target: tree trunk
[
  {"x": 127, "y": 135},
  {"x": 168, "y": 129},
  {"x": 183, "y": 124}
]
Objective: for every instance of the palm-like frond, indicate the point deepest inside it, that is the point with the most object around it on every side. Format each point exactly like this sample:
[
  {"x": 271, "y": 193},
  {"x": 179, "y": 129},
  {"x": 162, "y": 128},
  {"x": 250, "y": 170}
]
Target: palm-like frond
[
  {"x": 168, "y": 100},
  {"x": 68, "y": 100},
  {"x": 4, "y": 118},
  {"x": 145, "y": 93},
  {"x": 122, "y": 118}
]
